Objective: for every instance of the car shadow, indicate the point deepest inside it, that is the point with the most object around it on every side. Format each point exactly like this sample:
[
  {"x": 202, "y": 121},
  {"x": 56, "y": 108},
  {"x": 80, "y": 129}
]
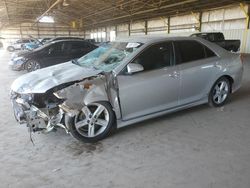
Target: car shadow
[
  {"x": 242, "y": 94},
  {"x": 164, "y": 118}
]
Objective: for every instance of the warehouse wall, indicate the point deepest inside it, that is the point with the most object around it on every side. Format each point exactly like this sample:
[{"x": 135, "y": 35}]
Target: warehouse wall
[
  {"x": 41, "y": 30},
  {"x": 231, "y": 21},
  {"x": 158, "y": 26}
]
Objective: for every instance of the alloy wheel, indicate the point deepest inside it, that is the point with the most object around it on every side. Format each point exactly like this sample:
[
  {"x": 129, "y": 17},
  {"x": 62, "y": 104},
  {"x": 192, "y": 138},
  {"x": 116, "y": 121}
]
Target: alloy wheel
[
  {"x": 220, "y": 92},
  {"x": 32, "y": 66},
  {"x": 92, "y": 120}
]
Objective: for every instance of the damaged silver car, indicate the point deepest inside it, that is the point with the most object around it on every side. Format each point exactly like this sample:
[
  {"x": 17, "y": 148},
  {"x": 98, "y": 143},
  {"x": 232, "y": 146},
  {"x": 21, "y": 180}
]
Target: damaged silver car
[{"x": 125, "y": 82}]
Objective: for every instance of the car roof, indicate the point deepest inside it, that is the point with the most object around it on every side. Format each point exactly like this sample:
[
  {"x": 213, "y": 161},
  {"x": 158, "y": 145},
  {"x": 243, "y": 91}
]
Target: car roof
[
  {"x": 59, "y": 38},
  {"x": 153, "y": 39},
  {"x": 148, "y": 40},
  {"x": 67, "y": 40}
]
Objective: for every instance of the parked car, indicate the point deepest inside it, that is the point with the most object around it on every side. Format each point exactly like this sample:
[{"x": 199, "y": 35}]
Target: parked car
[
  {"x": 32, "y": 45},
  {"x": 35, "y": 44},
  {"x": 18, "y": 44},
  {"x": 218, "y": 38},
  {"x": 50, "y": 54},
  {"x": 125, "y": 82}
]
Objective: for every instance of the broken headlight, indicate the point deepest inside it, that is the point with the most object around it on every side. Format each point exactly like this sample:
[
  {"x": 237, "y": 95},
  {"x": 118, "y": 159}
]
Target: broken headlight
[
  {"x": 27, "y": 97},
  {"x": 19, "y": 59}
]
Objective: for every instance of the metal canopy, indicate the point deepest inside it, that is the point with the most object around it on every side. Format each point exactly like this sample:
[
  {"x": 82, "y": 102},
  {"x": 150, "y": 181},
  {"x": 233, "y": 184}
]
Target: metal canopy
[{"x": 95, "y": 13}]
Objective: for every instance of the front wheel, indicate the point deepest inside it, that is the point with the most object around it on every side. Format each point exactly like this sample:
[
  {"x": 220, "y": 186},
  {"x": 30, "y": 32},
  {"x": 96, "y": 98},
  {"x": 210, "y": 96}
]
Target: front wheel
[
  {"x": 219, "y": 92},
  {"x": 93, "y": 123},
  {"x": 32, "y": 65}
]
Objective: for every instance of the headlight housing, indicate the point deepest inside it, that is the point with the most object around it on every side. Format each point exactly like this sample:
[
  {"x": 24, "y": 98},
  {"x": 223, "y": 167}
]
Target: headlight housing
[
  {"x": 27, "y": 97},
  {"x": 18, "y": 59}
]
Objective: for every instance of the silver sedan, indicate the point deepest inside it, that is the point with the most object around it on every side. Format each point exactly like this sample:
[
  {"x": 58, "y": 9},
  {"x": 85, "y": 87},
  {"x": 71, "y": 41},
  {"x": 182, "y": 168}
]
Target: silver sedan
[{"x": 125, "y": 82}]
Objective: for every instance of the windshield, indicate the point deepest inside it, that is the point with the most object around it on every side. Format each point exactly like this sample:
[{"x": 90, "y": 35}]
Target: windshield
[{"x": 108, "y": 56}]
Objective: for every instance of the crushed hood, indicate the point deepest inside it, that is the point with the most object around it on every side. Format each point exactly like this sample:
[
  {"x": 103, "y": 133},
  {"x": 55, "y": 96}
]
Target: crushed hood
[{"x": 42, "y": 80}]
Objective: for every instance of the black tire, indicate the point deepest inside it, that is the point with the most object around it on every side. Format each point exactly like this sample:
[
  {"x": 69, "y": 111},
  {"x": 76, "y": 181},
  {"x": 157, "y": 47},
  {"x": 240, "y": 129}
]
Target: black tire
[
  {"x": 11, "y": 49},
  {"x": 32, "y": 65},
  {"x": 70, "y": 122},
  {"x": 213, "y": 100}
]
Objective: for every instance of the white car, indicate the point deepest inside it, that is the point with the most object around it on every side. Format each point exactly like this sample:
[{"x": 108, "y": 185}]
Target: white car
[
  {"x": 125, "y": 82},
  {"x": 18, "y": 44}
]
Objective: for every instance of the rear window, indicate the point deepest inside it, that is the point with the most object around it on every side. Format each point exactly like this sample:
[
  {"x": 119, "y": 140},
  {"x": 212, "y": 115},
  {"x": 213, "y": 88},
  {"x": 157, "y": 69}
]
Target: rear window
[
  {"x": 190, "y": 51},
  {"x": 209, "y": 53}
]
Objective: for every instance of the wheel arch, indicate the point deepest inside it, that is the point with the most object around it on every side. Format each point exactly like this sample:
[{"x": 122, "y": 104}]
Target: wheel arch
[
  {"x": 31, "y": 59},
  {"x": 98, "y": 94}
]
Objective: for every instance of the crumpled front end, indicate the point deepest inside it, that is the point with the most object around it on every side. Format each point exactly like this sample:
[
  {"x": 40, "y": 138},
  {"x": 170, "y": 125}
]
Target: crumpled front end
[{"x": 39, "y": 116}]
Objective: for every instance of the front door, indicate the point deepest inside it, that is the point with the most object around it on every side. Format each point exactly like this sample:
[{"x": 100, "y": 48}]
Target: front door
[{"x": 153, "y": 90}]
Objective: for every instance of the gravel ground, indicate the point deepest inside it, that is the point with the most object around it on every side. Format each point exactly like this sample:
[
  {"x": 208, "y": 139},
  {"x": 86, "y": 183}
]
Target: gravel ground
[{"x": 201, "y": 147}]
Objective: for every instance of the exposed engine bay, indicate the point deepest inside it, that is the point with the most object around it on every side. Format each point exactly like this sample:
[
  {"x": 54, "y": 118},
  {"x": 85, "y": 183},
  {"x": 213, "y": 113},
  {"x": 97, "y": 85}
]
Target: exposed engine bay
[
  {"x": 39, "y": 111},
  {"x": 45, "y": 112}
]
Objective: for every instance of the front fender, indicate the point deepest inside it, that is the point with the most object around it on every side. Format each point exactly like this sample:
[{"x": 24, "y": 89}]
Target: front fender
[{"x": 97, "y": 93}]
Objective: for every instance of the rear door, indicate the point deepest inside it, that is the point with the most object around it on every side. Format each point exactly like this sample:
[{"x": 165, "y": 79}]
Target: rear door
[{"x": 197, "y": 68}]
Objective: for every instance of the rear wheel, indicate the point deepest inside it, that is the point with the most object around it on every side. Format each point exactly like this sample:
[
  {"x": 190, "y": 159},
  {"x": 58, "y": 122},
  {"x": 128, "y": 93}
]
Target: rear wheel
[
  {"x": 32, "y": 65},
  {"x": 93, "y": 123},
  {"x": 219, "y": 92}
]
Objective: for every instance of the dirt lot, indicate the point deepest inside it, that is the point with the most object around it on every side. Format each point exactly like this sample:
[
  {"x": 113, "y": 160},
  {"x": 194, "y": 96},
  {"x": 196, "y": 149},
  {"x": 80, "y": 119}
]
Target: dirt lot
[{"x": 201, "y": 147}]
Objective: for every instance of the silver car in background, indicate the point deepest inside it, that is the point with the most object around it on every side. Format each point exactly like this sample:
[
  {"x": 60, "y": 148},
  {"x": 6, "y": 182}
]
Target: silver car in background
[{"x": 124, "y": 82}]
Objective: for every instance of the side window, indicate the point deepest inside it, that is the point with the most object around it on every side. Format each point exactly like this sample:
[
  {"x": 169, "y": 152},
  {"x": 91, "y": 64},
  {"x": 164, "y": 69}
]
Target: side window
[
  {"x": 77, "y": 47},
  {"x": 55, "y": 49},
  {"x": 209, "y": 53},
  {"x": 218, "y": 37},
  {"x": 156, "y": 56},
  {"x": 211, "y": 37},
  {"x": 189, "y": 51}
]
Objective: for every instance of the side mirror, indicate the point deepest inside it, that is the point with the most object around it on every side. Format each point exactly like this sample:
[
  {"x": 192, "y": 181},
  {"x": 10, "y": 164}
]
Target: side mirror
[{"x": 134, "y": 67}]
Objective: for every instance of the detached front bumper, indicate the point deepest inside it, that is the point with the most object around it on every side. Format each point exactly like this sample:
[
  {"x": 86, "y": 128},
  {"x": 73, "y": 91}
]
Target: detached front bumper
[{"x": 36, "y": 119}]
